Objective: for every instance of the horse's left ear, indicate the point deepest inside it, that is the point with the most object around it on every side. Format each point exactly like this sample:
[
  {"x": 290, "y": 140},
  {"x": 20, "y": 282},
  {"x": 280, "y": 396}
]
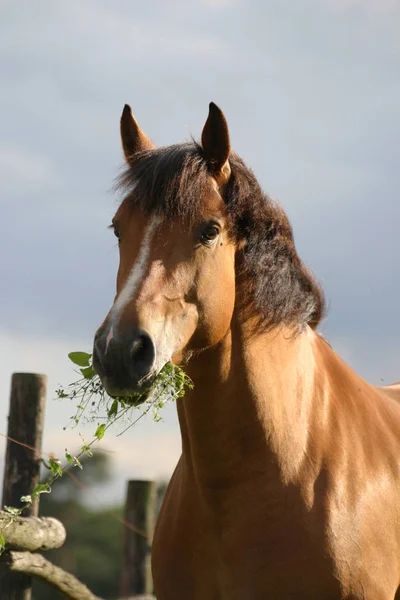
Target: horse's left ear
[
  {"x": 132, "y": 137},
  {"x": 216, "y": 144}
]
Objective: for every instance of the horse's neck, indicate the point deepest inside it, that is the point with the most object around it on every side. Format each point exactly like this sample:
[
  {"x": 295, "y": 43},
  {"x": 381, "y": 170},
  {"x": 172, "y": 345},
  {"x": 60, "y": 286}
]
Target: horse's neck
[{"x": 251, "y": 405}]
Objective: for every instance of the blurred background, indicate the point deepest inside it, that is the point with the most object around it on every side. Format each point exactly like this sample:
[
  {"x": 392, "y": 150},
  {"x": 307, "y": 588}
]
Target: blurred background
[{"x": 311, "y": 91}]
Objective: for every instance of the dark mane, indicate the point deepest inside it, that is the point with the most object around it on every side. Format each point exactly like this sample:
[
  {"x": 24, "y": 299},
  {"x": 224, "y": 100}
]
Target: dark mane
[{"x": 276, "y": 284}]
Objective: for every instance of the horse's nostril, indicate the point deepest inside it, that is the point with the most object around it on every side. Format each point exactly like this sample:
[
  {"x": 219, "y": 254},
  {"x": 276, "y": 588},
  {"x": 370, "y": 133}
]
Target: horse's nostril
[
  {"x": 137, "y": 345},
  {"x": 123, "y": 362},
  {"x": 142, "y": 351}
]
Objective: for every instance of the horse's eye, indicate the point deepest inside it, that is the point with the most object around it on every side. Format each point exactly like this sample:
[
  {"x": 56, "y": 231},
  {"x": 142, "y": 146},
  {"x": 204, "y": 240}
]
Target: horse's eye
[{"x": 209, "y": 235}]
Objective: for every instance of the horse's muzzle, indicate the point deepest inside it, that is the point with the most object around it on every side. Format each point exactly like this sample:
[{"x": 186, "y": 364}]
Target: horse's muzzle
[{"x": 124, "y": 363}]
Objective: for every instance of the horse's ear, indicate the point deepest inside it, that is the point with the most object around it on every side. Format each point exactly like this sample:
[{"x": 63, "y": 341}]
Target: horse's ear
[
  {"x": 133, "y": 138},
  {"x": 216, "y": 144}
]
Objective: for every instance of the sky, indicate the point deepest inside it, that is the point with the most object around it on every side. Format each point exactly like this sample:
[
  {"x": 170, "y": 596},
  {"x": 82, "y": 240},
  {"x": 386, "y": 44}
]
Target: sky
[{"x": 311, "y": 92}]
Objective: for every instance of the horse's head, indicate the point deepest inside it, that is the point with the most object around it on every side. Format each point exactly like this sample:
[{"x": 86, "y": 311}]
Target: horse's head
[
  {"x": 176, "y": 277},
  {"x": 198, "y": 241}
]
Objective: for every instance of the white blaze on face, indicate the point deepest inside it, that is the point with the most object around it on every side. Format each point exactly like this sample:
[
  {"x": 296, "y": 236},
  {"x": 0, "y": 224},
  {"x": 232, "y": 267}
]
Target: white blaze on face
[
  {"x": 136, "y": 275},
  {"x": 164, "y": 331}
]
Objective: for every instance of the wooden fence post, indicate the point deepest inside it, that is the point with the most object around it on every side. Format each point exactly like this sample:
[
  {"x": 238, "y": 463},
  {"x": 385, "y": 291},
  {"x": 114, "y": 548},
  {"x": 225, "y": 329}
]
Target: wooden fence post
[
  {"x": 138, "y": 534},
  {"x": 22, "y": 466}
]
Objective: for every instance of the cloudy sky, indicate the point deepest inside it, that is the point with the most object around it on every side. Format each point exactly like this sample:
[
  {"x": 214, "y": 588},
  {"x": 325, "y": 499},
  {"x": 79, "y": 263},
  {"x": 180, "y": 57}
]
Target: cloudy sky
[{"x": 311, "y": 91}]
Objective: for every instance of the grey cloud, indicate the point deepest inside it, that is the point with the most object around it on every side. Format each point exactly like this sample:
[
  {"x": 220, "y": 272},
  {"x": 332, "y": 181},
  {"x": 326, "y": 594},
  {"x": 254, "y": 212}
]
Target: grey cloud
[{"x": 311, "y": 94}]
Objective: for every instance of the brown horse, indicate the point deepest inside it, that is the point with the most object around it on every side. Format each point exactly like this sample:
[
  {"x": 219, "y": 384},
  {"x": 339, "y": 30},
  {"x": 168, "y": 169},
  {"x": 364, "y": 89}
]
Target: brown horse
[{"x": 288, "y": 486}]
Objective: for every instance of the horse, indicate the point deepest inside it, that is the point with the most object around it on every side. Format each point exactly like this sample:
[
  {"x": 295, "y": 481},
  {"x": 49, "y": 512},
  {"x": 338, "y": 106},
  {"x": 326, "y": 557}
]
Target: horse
[{"x": 288, "y": 485}]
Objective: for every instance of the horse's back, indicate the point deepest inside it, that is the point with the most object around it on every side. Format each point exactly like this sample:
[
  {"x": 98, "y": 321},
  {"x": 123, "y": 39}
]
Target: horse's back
[{"x": 393, "y": 391}]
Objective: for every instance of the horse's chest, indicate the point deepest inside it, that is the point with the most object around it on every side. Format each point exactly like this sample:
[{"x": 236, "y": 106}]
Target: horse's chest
[
  {"x": 267, "y": 547},
  {"x": 237, "y": 557}
]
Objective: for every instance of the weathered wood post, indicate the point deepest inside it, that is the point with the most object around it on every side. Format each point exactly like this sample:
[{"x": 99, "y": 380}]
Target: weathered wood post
[
  {"x": 22, "y": 466},
  {"x": 138, "y": 534}
]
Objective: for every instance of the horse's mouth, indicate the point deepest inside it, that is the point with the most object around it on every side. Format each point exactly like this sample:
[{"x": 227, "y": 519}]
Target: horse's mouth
[{"x": 132, "y": 394}]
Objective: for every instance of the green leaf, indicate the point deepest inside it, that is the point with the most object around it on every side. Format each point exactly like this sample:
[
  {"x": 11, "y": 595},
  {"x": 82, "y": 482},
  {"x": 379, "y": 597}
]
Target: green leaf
[
  {"x": 68, "y": 456},
  {"x": 2, "y": 543},
  {"x": 113, "y": 411},
  {"x": 42, "y": 488},
  {"x": 12, "y": 510},
  {"x": 88, "y": 372},
  {"x": 100, "y": 431},
  {"x": 87, "y": 449},
  {"x": 80, "y": 358},
  {"x": 77, "y": 463},
  {"x": 26, "y": 499},
  {"x": 55, "y": 467}
]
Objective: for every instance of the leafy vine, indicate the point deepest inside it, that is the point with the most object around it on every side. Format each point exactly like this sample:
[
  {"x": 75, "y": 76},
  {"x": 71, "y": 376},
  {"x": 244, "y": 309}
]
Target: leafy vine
[{"x": 91, "y": 398}]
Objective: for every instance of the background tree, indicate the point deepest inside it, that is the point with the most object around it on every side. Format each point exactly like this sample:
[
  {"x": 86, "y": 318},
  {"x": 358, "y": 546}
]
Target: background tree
[
  {"x": 94, "y": 545},
  {"x": 93, "y": 549}
]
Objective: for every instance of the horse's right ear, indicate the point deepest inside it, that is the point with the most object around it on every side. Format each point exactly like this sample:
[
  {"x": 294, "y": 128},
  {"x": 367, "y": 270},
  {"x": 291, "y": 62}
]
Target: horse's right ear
[{"x": 132, "y": 137}]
